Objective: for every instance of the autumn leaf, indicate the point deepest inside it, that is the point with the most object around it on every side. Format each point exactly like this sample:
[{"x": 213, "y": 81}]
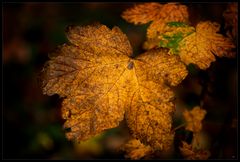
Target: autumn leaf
[
  {"x": 231, "y": 20},
  {"x": 136, "y": 150},
  {"x": 190, "y": 153},
  {"x": 167, "y": 35},
  {"x": 101, "y": 83},
  {"x": 160, "y": 27},
  {"x": 194, "y": 119},
  {"x": 197, "y": 149},
  {"x": 142, "y": 13},
  {"x": 146, "y": 12},
  {"x": 158, "y": 15},
  {"x": 170, "y": 29},
  {"x": 200, "y": 140},
  {"x": 150, "y": 105},
  {"x": 197, "y": 46}
]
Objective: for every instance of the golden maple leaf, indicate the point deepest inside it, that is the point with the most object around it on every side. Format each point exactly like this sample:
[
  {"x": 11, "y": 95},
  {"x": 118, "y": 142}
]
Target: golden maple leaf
[
  {"x": 101, "y": 82},
  {"x": 136, "y": 150},
  {"x": 198, "y": 45},
  {"x": 231, "y": 19},
  {"x": 194, "y": 119},
  {"x": 146, "y": 12},
  {"x": 190, "y": 153}
]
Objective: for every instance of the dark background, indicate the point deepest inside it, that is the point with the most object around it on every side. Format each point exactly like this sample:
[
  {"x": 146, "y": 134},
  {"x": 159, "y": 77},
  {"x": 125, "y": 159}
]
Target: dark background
[{"x": 32, "y": 124}]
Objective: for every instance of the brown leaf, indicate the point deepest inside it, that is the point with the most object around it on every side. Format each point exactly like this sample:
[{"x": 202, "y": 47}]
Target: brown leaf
[
  {"x": 100, "y": 82},
  {"x": 231, "y": 19},
  {"x": 146, "y": 12},
  {"x": 136, "y": 150},
  {"x": 142, "y": 13},
  {"x": 193, "y": 154},
  {"x": 194, "y": 119}
]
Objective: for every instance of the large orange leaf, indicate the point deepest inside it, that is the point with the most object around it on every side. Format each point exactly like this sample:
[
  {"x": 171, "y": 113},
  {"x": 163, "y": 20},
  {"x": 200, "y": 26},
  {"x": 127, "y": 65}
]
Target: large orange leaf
[
  {"x": 101, "y": 83},
  {"x": 150, "y": 105}
]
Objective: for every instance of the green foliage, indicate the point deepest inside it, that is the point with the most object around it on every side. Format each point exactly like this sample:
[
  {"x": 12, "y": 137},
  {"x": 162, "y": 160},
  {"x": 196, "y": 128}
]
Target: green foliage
[
  {"x": 176, "y": 24},
  {"x": 171, "y": 42}
]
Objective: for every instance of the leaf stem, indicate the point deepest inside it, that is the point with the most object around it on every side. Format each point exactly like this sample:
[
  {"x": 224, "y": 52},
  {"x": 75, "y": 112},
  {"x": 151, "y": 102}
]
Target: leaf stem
[{"x": 178, "y": 127}]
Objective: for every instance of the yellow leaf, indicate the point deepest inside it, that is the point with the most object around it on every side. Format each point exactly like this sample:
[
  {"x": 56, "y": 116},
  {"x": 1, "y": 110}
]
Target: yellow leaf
[
  {"x": 146, "y": 12},
  {"x": 199, "y": 47},
  {"x": 101, "y": 82},
  {"x": 170, "y": 29},
  {"x": 100, "y": 39},
  {"x": 159, "y": 14},
  {"x": 196, "y": 46},
  {"x": 151, "y": 43},
  {"x": 167, "y": 34},
  {"x": 149, "y": 116},
  {"x": 193, "y": 154},
  {"x": 136, "y": 150},
  {"x": 194, "y": 119},
  {"x": 159, "y": 27}
]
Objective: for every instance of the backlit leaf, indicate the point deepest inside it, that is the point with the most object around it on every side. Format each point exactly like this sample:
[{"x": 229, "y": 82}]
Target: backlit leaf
[
  {"x": 149, "y": 114},
  {"x": 193, "y": 45},
  {"x": 168, "y": 35},
  {"x": 136, "y": 150},
  {"x": 142, "y": 13},
  {"x": 146, "y": 12},
  {"x": 194, "y": 119},
  {"x": 190, "y": 153},
  {"x": 159, "y": 27},
  {"x": 101, "y": 84},
  {"x": 200, "y": 47},
  {"x": 159, "y": 15}
]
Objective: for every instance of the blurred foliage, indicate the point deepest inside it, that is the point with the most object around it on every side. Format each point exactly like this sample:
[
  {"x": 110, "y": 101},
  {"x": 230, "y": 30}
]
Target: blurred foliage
[{"x": 32, "y": 125}]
